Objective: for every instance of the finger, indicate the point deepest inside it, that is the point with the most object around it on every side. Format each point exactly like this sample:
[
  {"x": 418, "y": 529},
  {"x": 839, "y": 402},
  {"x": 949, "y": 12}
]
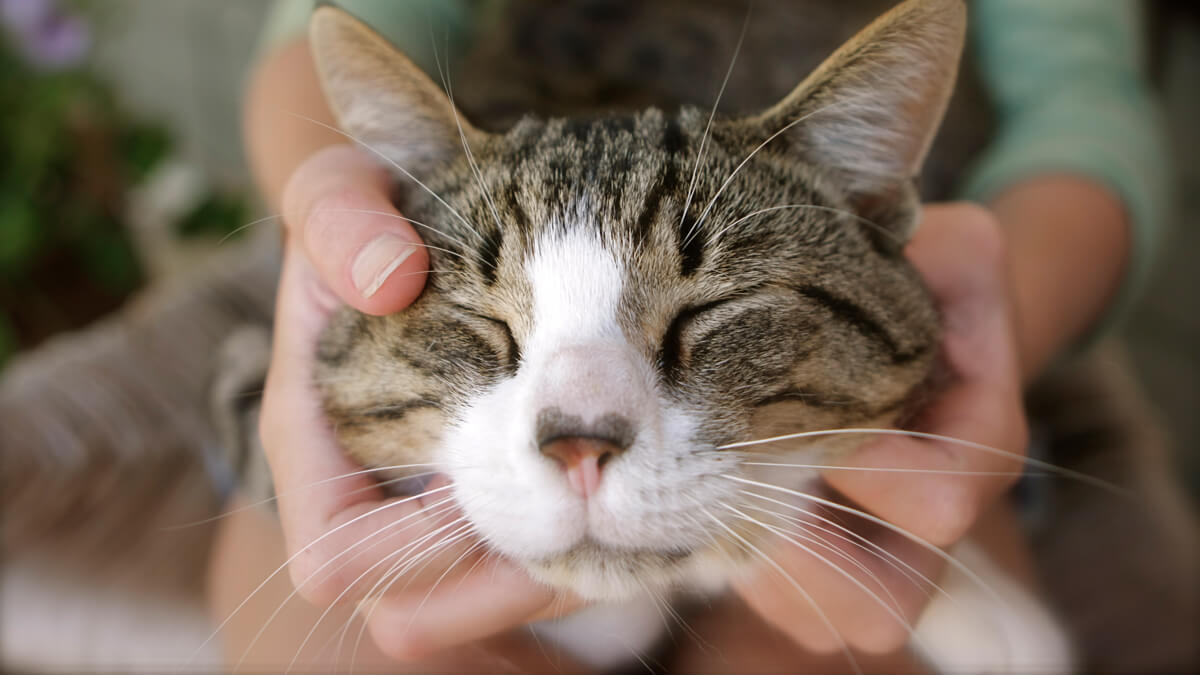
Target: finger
[
  {"x": 334, "y": 516},
  {"x": 336, "y": 204},
  {"x": 417, "y": 624},
  {"x": 982, "y": 405},
  {"x": 830, "y": 591}
]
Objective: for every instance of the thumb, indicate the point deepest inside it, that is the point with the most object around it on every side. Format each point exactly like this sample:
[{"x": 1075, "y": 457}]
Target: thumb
[{"x": 336, "y": 207}]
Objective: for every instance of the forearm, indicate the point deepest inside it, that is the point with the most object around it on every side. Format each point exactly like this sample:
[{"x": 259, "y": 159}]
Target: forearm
[
  {"x": 1068, "y": 241},
  {"x": 283, "y": 100}
]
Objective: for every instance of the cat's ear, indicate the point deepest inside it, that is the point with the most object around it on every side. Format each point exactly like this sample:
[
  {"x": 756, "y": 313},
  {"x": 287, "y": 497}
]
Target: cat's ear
[
  {"x": 383, "y": 99},
  {"x": 870, "y": 111}
]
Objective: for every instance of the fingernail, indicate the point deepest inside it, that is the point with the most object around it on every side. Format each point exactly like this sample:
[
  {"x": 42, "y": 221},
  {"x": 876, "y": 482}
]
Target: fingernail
[{"x": 377, "y": 260}]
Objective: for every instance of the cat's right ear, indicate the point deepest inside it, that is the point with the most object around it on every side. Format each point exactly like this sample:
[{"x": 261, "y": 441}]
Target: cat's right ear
[
  {"x": 382, "y": 99},
  {"x": 869, "y": 113}
]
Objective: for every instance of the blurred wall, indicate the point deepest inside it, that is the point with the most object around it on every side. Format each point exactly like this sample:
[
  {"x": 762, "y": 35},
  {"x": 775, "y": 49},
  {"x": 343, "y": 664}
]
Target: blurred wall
[{"x": 184, "y": 61}]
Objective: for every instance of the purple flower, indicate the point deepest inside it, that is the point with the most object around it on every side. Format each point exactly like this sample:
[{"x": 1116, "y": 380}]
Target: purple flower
[
  {"x": 48, "y": 37},
  {"x": 23, "y": 16}
]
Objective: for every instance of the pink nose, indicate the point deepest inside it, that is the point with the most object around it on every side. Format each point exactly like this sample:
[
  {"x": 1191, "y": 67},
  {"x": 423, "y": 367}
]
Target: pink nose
[{"x": 582, "y": 459}]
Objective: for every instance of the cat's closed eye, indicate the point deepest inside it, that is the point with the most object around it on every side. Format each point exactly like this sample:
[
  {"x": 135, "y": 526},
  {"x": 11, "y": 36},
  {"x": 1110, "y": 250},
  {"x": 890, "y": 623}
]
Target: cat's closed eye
[
  {"x": 497, "y": 333},
  {"x": 747, "y": 340}
]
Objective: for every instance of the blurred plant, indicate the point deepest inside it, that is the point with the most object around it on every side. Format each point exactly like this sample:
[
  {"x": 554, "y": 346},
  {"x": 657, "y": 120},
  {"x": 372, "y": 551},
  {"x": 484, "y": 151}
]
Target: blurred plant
[{"x": 71, "y": 156}]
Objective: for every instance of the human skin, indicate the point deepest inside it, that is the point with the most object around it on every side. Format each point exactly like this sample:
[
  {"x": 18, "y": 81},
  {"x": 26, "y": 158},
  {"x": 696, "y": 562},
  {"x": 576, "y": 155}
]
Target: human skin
[{"x": 1062, "y": 240}]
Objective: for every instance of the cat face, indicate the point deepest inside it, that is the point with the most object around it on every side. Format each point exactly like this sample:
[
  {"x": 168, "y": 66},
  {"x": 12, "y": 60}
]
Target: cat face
[{"x": 615, "y": 300}]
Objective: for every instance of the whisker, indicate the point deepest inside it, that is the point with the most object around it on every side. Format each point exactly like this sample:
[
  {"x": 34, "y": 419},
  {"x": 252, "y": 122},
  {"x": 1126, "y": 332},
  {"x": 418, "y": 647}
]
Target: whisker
[
  {"x": 687, "y": 204},
  {"x": 400, "y": 553},
  {"x": 396, "y": 216},
  {"x": 385, "y": 560},
  {"x": 949, "y": 559},
  {"x": 816, "y": 207},
  {"x": 1021, "y": 459},
  {"x": 817, "y": 540},
  {"x": 878, "y": 550},
  {"x": 885, "y": 469},
  {"x": 828, "y": 563},
  {"x": 300, "y": 552},
  {"x": 409, "y": 552},
  {"x": 268, "y": 500},
  {"x": 391, "y": 162},
  {"x": 442, "y": 577},
  {"x": 242, "y": 228},
  {"x": 398, "y": 571},
  {"x": 296, "y": 590},
  {"x": 445, "y": 76},
  {"x": 755, "y": 151},
  {"x": 800, "y": 589}
]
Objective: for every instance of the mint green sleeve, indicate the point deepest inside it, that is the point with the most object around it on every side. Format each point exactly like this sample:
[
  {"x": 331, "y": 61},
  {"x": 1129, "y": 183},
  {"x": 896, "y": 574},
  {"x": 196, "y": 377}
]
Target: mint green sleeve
[
  {"x": 413, "y": 25},
  {"x": 1066, "y": 77}
]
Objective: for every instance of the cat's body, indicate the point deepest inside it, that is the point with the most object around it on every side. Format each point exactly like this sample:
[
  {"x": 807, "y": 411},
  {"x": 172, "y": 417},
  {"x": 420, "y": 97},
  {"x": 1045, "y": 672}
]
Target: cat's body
[{"x": 617, "y": 298}]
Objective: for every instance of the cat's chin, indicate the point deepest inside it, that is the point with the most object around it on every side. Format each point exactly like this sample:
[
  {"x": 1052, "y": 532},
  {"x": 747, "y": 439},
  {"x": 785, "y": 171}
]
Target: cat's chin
[{"x": 601, "y": 573}]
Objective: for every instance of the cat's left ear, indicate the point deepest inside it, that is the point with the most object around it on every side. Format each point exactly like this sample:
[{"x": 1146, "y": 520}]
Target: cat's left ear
[
  {"x": 383, "y": 99},
  {"x": 869, "y": 113}
]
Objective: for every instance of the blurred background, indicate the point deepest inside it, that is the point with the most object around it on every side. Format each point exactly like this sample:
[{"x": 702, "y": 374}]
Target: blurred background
[{"x": 121, "y": 164}]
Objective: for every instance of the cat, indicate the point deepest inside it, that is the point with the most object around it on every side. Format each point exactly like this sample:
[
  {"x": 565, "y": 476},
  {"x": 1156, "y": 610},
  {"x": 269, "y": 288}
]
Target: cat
[{"x": 620, "y": 298}]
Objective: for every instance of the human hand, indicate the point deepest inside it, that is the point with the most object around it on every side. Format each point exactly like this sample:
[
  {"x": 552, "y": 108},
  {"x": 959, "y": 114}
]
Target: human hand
[
  {"x": 959, "y": 251},
  {"x": 346, "y": 241}
]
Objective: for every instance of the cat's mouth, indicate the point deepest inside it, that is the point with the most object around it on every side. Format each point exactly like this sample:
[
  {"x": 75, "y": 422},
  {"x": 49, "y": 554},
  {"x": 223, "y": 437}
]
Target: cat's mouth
[
  {"x": 590, "y": 547},
  {"x": 602, "y": 571}
]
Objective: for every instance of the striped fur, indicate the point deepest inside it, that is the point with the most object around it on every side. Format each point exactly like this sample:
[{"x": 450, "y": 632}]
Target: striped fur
[{"x": 757, "y": 290}]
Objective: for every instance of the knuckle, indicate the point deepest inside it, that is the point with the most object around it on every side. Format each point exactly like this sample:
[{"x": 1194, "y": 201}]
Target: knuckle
[
  {"x": 980, "y": 226},
  {"x": 882, "y": 634},
  {"x": 326, "y": 210},
  {"x": 822, "y": 642},
  {"x": 957, "y": 508},
  {"x": 313, "y": 581},
  {"x": 399, "y": 639}
]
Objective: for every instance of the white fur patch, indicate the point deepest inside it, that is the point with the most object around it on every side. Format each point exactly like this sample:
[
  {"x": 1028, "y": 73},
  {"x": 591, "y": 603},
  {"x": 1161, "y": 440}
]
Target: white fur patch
[
  {"x": 606, "y": 636},
  {"x": 1000, "y": 628},
  {"x": 577, "y": 286},
  {"x": 577, "y": 361}
]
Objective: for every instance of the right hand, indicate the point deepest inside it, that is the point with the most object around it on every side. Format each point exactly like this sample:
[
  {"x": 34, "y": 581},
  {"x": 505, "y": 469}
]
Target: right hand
[{"x": 346, "y": 243}]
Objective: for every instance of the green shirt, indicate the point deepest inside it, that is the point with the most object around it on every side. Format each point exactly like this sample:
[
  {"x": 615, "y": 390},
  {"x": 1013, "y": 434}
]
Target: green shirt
[{"x": 1066, "y": 78}]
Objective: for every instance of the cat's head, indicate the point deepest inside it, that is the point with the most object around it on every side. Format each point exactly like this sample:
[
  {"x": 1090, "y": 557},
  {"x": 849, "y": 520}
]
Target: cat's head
[{"x": 615, "y": 300}]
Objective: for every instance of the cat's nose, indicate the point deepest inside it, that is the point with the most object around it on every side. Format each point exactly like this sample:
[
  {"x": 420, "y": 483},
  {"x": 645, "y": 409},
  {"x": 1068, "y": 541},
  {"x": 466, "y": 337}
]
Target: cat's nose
[
  {"x": 582, "y": 448},
  {"x": 582, "y": 459}
]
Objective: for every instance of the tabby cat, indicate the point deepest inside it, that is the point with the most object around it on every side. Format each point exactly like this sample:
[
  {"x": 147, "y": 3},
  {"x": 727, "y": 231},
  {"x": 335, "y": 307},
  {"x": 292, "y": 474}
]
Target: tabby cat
[{"x": 622, "y": 296}]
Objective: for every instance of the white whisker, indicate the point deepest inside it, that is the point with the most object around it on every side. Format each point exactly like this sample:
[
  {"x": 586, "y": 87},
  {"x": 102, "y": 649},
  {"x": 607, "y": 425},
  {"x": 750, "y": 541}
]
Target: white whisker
[
  {"x": 800, "y": 589},
  {"x": 754, "y": 152},
  {"x": 391, "y": 162},
  {"x": 401, "y": 552},
  {"x": 296, "y": 590},
  {"x": 300, "y": 552},
  {"x": 1021, "y": 459},
  {"x": 445, "y": 75},
  {"x": 708, "y": 127},
  {"x": 786, "y": 536},
  {"x": 951, "y": 560},
  {"x": 814, "y": 207},
  {"x": 880, "y": 551},
  {"x": 268, "y": 500}
]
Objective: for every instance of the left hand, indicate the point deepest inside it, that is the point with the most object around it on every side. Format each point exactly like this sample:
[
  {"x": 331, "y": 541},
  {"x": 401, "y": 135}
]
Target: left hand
[{"x": 959, "y": 250}]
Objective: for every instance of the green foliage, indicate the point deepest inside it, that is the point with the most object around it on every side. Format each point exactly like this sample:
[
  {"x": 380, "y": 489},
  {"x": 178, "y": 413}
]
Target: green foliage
[
  {"x": 219, "y": 214},
  {"x": 8, "y": 340},
  {"x": 69, "y": 154}
]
